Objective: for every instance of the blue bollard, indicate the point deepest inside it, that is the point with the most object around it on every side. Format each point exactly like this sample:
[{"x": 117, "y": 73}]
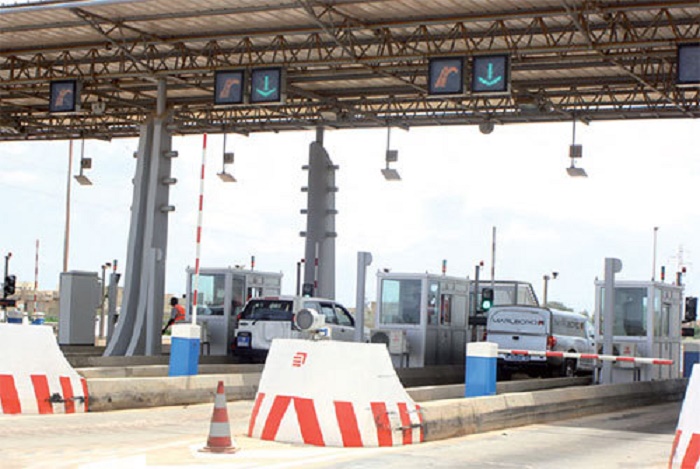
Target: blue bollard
[
  {"x": 184, "y": 350},
  {"x": 480, "y": 373},
  {"x": 691, "y": 356}
]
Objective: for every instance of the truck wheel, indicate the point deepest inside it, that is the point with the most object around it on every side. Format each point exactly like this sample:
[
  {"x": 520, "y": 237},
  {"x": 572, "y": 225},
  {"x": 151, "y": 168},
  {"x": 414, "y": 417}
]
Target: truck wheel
[
  {"x": 503, "y": 375},
  {"x": 569, "y": 368}
]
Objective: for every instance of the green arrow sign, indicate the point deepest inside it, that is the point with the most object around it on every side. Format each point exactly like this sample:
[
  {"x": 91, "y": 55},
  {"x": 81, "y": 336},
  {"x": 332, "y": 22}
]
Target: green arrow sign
[
  {"x": 491, "y": 74},
  {"x": 266, "y": 91},
  {"x": 490, "y": 80}
]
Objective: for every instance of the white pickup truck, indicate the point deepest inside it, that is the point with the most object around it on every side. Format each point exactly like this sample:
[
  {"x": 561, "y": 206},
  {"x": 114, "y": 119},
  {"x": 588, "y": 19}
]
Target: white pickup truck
[
  {"x": 267, "y": 318},
  {"x": 539, "y": 329}
]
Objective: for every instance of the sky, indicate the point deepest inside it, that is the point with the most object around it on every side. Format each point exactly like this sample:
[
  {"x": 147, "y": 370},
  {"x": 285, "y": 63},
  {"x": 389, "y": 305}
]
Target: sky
[{"x": 457, "y": 184}]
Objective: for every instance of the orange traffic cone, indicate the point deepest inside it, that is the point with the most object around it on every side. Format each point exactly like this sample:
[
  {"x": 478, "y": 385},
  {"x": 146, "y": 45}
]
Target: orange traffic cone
[{"x": 220, "y": 440}]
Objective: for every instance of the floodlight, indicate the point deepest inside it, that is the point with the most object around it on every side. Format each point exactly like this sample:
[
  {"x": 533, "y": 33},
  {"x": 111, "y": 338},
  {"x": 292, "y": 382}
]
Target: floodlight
[
  {"x": 391, "y": 156},
  {"x": 83, "y": 180},
  {"x": 573, "y": 171},
  {"x": 226, "y": 177},
  {"x": 391, "y": 174},
  {"x": 575, "y": 152},
  {"x": 228, "y": 157},
  {"x": 85, "y": 163}
]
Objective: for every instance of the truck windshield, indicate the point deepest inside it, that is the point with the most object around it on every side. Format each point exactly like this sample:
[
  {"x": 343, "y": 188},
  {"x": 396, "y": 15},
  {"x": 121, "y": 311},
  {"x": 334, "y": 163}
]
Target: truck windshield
[{"x": 268, "y": 310}]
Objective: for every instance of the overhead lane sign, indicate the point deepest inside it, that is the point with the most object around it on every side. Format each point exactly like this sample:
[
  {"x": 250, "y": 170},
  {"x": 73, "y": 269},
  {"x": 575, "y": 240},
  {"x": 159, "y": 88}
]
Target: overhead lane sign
[
  {"x": 266, "y": 85},
  {"x": 446, "y": 76},
  {"x": 491, "y": 74},
  {"x": 228, "y": 87},
  {"x": 64, "y": 96},
  {"x": 688, "y": 65}
]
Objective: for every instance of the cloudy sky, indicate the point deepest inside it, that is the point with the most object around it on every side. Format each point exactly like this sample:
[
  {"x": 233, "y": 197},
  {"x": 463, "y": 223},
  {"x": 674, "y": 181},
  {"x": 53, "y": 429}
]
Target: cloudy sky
[{"x": 457, "y": 184}]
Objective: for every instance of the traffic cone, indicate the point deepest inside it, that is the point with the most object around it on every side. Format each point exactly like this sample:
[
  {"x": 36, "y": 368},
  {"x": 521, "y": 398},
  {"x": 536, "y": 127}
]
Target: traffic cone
[{"x": 220, "y": 440}]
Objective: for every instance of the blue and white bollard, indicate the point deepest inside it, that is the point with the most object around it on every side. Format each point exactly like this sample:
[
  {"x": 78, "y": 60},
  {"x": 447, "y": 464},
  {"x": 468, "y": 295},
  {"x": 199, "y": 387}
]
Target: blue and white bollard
[
  {"x": 691, "y": 356},
  {"x": 480, "y": 374},
  {"x": 184, "y": 350}
]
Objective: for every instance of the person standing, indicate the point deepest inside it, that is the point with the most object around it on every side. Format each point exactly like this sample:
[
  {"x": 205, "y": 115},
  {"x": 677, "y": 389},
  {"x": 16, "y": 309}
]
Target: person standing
[{"x": 177, "y": 313}]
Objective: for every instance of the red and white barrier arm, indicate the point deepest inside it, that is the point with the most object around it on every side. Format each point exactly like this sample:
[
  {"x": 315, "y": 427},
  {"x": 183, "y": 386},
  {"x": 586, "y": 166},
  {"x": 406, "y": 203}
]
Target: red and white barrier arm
[{"x": 590, "y": 356}]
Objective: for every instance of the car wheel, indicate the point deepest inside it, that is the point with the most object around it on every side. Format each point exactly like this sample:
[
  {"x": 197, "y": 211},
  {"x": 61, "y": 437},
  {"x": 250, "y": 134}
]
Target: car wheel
[
  {"x": 503, "y": 375},
  {"x": 569, "y": 368}
]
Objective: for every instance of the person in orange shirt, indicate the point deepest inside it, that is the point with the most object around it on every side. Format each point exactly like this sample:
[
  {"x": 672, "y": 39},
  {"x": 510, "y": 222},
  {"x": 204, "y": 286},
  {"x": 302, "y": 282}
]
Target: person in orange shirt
[{"x": 177, "y": 314}]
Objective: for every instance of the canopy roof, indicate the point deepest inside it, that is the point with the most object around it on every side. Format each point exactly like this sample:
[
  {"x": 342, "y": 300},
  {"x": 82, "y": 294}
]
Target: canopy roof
[{"x": 347, "y": 63}]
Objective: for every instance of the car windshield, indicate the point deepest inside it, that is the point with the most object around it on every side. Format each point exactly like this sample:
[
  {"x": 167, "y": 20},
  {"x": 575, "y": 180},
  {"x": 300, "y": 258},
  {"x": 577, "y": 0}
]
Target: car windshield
[{"x": 268, "y": 310}]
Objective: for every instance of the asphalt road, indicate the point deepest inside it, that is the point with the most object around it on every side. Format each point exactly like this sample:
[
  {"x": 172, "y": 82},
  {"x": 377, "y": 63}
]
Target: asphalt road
[{"x": 171, "y": 437}]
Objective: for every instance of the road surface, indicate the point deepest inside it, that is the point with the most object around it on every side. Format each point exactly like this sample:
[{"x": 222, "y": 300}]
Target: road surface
[{"x": 171, "y": 436}]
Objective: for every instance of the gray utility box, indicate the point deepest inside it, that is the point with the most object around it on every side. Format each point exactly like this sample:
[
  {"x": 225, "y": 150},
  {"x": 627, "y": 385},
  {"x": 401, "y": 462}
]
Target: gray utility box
[{"x": 80, "y": 295}]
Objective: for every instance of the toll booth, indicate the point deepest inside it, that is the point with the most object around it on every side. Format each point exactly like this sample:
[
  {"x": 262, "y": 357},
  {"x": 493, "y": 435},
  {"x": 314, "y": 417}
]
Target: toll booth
[
  {"x": 427, "y": 319},
  {"x": 647, "y": 324},
  {"x": 426, "y": 314},
  {"x": 221, "y": 295}
]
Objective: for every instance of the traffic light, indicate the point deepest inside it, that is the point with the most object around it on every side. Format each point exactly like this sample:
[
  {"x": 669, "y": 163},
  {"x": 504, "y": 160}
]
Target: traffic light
[
  {"x": 9, "y": 288},
  {"x": 691, "y": 308},
  {"x": 486, "y": 299}
]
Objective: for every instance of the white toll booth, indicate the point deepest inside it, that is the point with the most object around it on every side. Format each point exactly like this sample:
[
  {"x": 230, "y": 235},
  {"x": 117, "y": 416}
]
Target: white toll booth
[
  {"x": 647, "y": 324},
  {"x": 427, "y": 319},
  {"x": 221, "y": 295}
]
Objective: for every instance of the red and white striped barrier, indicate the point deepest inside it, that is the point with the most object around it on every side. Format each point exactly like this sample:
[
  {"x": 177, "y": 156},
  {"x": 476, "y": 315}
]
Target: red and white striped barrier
[
  {"x": 685, "y": 453},
  {"x": 306, "y": 396},
  {"x": 35, "y": 377},
  {"x": 588, "y": 356}
]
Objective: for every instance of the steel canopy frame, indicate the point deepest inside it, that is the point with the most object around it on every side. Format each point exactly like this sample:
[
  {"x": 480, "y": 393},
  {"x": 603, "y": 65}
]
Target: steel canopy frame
[{"x": 362, "y": 61}]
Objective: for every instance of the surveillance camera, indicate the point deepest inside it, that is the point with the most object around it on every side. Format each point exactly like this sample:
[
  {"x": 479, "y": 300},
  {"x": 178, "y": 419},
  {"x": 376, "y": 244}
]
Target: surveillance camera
[
  {"x": 486, "y": 127},
  {"x": 555, "y": 274}
]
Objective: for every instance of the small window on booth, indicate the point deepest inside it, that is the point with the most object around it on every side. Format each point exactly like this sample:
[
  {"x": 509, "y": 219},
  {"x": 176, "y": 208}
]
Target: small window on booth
[{"x": 446, "y": 310}]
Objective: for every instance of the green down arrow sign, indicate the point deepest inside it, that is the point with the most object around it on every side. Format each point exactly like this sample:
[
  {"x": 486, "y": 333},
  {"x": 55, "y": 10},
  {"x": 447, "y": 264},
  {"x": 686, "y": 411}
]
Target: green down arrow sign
[{"x": 490, "y": 80}]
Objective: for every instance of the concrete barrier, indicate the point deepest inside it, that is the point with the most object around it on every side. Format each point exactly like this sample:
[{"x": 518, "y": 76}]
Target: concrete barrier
[
  {"x": 457, "y": 417},
  {"x": 685, "y": 452},
  {"x": 307, "y": 396},
  {"x": 35, "y": 377}
]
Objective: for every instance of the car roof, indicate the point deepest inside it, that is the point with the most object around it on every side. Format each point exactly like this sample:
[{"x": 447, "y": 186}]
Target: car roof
[{"x": 290, "y": 298}]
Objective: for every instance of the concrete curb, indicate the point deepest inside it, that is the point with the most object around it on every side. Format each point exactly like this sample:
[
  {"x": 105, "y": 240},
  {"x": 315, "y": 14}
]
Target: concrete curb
[
  {"x": 458, "y": 417},
  {"x": 107, "y": 394},
  {"x": 456, "y": 391}
]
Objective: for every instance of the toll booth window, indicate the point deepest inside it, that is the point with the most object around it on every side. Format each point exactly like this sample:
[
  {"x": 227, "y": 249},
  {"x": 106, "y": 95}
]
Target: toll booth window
[
  {"x": 433, "y": 293},
  {"x": 446, "y": 310},
  {"x": 630, "y": 311},
  {"x": 400, "y": 303},
  {"x": 662, "y": 316},
  {"x": 210, "y": 294}
]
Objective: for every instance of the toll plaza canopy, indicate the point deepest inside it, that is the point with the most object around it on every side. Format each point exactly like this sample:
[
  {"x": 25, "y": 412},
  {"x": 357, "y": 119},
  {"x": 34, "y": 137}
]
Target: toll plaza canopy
[{"x": 248, "y": 65}]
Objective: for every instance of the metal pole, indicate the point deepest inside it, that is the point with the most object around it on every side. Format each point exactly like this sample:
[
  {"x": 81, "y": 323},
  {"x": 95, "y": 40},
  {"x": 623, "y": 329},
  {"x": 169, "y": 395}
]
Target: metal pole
[
  {"x": 299, "y": 277},
  {"x": 653, "y": 264},
  {"x": 493, "y": 256},
  {"x": 105, "y": 266},
  {"x": 66, "y": 236},
  {"x": 199, "y": 232},
  {"x": 476, "y": 288},
  {"x": 102, "y": 304},
  {"x": 544, "y": 296},
  {"x": 363, "y": 260},
  {"x": 7, "y": 269},
  {"x": 612, "y": 266},
  {"x": 36, "y": 276}
]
